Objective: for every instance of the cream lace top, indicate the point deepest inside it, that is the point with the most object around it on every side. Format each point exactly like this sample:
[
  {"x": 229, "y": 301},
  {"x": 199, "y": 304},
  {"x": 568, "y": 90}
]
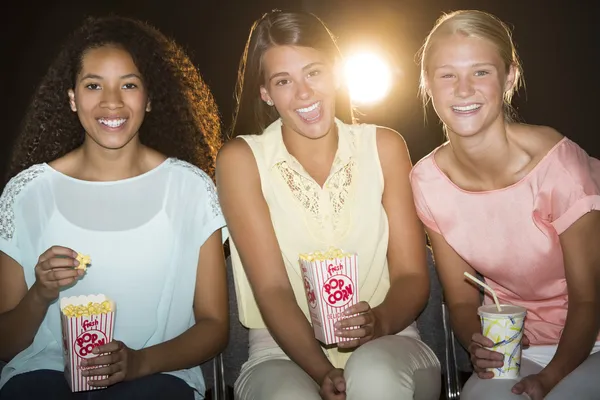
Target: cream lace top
[{"x": 347, "y": 212}]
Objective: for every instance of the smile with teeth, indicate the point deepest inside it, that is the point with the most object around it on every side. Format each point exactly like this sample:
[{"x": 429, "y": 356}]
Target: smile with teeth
[
  {"x": 310, "y": 113},
  {"x": 309, "y": 108},
  {"x": 470, "y": 107},
  {"x": 112, "y": 122}
]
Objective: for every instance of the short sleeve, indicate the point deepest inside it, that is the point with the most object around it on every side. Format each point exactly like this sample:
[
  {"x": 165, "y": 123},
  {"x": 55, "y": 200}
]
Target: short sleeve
[
  {"x": 202, "y": 203},
  {"x": 10, "y": 223},
  {"x": 209, "y": 217},
  {"x": 423, "y": 211},
  {"x": 575, "y": 189}
]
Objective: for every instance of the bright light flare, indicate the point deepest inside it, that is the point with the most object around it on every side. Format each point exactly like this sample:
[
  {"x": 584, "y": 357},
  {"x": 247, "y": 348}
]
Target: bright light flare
[{"x": 368, "y": 77}]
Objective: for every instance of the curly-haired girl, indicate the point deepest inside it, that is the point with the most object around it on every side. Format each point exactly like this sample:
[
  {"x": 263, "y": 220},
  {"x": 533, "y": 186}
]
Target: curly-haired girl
[{"x": 114, "y": 160}]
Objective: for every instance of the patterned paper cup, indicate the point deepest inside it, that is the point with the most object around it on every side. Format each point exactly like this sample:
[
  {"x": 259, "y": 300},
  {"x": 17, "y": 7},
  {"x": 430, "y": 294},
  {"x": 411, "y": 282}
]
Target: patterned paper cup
[
  {"x": 87, "y": 322},
  {"x": 505, "y": 329},
  {"x": 331, "y": 284}
]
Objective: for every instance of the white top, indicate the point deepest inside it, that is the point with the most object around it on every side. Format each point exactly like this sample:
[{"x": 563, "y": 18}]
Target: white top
[
  {"x": 143, "y": 235},
  {"x": 347, "y": 213}
]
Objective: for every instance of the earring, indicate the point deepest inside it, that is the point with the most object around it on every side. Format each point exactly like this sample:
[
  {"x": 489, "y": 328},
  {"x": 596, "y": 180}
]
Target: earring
[{"x": 269, "y": 102}]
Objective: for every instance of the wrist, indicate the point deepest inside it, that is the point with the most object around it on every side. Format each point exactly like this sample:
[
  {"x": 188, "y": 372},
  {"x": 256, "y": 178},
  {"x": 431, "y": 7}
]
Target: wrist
[
  {"x": 550, "y": 376},
  {"x": 37, "y": 298},
  {"x": 142, "y": 364},
  {"x": 321, "y": 372},
  {"x": 380, "y": 327}
]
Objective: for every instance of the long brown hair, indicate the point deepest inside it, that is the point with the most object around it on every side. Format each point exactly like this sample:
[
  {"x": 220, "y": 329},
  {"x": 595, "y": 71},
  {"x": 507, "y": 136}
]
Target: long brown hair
[{"x": 279, "y": 28}]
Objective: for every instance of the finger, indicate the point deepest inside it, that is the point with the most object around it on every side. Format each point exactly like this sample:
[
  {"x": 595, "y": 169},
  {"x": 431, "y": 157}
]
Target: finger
[
  {"x": 59, "y": 274},
  {"x": 349, "y": 344},
  {"x": 339, "y": 384},
  {"x": 482, "y": 340},
  {"x": 355, "y": 333},
  {"x": 485, "y": 374},
  {"x": 106, "y": 359},
  {"x": 486, "y": 364},
  {"x": 57, "y": 251},
  {"x": 111, "y": 380},
  {"x": 357, "y": 308},
  {"x": 58, "y": 263},
  {"x": 327, "y": 386},
  {"x": 518, "y": 388},
  {"x": 65, "y": 282},
  {"x": 104, "y": 370},
  {"x": 358, "y": 320},
  {"x": 485, "y": 354},
  {"x": 111, "y": 347}
]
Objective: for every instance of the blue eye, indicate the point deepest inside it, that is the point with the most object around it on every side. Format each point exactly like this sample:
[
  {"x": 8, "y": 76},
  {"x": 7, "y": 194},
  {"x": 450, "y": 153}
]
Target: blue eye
[{"x": 482, "y": 73}]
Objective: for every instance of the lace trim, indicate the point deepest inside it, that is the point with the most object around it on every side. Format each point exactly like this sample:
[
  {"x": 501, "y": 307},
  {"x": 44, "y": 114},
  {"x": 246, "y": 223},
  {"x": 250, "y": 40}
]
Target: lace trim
[
  {"x": 13, "y": 188},
  {"x": 210, "y": 186},
  {"x": 307, "y": 191},
  {"x": 339, "y": 185}
]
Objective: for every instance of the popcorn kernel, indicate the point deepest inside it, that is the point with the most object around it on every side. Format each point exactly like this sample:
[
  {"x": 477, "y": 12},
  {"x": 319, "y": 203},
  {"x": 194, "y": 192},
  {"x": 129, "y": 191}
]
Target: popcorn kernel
[
  {"x": 84, "y": 261},
  {"x": 330, "y": 254},
  {"x": 87, "y": 310}
]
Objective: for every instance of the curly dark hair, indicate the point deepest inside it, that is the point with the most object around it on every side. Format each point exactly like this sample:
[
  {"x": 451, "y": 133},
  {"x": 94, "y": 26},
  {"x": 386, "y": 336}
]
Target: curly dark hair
[{"x": 184, "y": 121}]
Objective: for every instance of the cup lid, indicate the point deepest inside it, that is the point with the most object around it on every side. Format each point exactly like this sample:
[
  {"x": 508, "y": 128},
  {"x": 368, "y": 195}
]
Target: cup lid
[{"x": 508, "y": 310}]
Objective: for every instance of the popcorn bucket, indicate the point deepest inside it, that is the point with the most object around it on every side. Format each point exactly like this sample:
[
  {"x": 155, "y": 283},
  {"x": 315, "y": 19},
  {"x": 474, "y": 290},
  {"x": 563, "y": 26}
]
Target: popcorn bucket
[
  {"x": 331, "y": 285},
  {"x": 87, "y": 322}
]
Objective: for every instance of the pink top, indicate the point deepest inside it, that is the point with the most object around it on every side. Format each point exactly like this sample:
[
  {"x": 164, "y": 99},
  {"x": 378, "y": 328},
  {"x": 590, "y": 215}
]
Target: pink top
[{"x": 510, "y": 235}]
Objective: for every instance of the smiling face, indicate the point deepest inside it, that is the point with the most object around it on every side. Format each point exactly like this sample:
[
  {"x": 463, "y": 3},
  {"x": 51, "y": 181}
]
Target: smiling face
[
  {"x": 466, "y": 79},
  {"x": 301, "y": 83},
  {"x": 109, "y": 97}
]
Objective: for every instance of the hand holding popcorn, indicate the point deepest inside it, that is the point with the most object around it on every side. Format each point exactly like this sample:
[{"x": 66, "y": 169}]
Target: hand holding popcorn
[
  {"x": 55, "y": 269},
  {"x": 116, "y": 361},
  {"x": 361, "y": 326}
]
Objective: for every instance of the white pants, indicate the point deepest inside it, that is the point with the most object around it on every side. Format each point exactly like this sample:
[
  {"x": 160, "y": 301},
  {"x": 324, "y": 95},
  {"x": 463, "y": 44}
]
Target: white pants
[
  {"x": 581, "y": 384},
  {"x": 391, "y": 367}
]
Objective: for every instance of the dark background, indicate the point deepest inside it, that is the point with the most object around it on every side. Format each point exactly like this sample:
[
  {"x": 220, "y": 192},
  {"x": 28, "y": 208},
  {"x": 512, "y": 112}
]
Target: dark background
[{"x": 557, "y": 42}]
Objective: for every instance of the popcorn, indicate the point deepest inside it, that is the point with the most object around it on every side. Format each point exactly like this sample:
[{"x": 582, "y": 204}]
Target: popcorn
[
  {"x": 331, "y": 284},
  {"x": 87, "y": 310},
  {"x": 84, "y": 261},
  {"x": 331, "y": 254},
  {"x": 87, "y": 322}
]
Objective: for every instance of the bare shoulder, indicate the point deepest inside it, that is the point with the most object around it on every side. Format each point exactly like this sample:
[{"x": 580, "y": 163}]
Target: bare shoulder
[
  {"x": 235, "y": 160},
  {"x": 391, "y": 144},
  {"x": 236, "y": 151},
  {"x": 443, "y": 156},
  {"x": 537, "y": 140}
]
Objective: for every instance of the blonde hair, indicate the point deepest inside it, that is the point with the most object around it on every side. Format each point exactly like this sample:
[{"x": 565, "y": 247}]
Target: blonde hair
[{"x": 478, "y": 24}]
